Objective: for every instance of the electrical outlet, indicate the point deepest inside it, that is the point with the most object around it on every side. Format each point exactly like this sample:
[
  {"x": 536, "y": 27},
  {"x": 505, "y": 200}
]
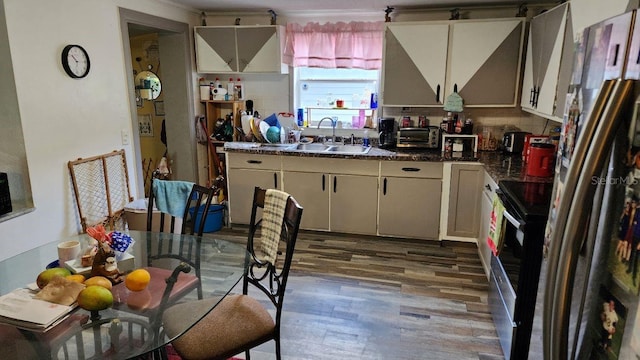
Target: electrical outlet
[{"x": 125, "y": 137}]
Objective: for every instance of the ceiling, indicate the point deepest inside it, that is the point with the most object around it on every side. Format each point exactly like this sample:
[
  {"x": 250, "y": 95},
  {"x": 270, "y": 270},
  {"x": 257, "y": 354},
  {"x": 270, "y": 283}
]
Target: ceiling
[{"x": 294, "y": 6}]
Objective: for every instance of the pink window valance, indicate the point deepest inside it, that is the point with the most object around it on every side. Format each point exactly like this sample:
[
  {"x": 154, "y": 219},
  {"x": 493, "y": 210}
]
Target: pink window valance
[{"x": 335, "y": 45}]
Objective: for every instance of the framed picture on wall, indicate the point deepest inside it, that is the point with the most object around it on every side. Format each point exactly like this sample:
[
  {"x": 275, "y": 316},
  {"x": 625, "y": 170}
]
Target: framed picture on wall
[
  {"x": 145, "y": 125},
  {"x": 159, "y": 107}
]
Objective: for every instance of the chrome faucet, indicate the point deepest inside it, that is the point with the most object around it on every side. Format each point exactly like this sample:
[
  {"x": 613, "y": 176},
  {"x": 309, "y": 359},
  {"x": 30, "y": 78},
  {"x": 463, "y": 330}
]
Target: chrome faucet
[{"x": 333, "y": 127}]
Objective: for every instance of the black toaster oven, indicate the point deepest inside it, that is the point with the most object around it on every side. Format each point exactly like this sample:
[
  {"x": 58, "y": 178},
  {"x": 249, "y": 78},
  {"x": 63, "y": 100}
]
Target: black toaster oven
[{"x": 5, "y": 196}]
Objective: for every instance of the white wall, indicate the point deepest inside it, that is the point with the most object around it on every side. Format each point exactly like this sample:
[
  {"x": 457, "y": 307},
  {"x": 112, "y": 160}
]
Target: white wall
[{"x": 64, "y": 119}]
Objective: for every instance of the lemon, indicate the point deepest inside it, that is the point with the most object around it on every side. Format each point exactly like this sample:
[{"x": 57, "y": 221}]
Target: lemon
[
  {"x": 94, "y": 298},
  {"x": 137, "y": 280}
]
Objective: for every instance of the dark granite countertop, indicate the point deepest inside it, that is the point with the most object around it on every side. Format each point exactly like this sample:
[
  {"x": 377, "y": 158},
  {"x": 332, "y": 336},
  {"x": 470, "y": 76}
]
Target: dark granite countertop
[{"x": 500, "y": 166}]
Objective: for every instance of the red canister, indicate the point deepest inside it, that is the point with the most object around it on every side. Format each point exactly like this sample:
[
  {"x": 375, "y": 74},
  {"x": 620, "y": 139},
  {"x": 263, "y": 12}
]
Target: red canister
[{"x": 541, "y": 160}]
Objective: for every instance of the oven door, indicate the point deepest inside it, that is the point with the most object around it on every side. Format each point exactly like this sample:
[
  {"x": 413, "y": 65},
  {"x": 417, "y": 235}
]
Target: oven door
[{"x": 505, "y": 271}]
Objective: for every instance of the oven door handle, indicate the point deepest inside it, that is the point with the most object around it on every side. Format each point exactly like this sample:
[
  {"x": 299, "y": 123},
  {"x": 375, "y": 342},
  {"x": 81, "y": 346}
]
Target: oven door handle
[{"x": 515, "y": 222}]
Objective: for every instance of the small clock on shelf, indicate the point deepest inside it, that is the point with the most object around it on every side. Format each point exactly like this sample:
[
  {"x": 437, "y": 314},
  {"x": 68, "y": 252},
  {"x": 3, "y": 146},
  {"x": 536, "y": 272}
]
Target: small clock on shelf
[{"x": 75, "y": 61}]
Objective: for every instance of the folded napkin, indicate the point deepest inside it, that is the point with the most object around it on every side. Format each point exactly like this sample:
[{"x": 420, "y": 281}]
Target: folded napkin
[
  {"x": 171, "y": 196},
  {"x": 496, "y": 227},
  {"x": 275, "y": 202}
]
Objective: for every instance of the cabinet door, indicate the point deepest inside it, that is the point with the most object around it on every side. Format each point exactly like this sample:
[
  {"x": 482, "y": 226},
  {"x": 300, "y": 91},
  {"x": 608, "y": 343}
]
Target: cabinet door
[
  {"x": 482, "y": 52},
  {"x": 409, "y": 207},
  {"x": 463, "y": 218},
  {"x": 215, "y": 49},
  {"x": 258, "y": 49},
  {"x": 241, "y": 183},
  {"x": 414, "y": 65},
  {"x": 311, "y": 190},
  {"x": 354, "y": 203}
]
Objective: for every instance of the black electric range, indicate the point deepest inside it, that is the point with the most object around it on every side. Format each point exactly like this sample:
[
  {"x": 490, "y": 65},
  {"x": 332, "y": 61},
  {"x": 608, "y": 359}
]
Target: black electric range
[{"x": 515, "y": 270}]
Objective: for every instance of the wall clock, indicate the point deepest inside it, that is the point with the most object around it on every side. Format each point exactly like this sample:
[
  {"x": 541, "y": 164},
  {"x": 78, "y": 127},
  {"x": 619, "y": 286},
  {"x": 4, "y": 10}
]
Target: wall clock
[{"x": 75, "y": 61}]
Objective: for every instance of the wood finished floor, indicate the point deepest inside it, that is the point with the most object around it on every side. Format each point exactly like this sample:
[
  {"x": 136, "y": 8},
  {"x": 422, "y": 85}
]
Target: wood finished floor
[{"x": 359, "y": 297}]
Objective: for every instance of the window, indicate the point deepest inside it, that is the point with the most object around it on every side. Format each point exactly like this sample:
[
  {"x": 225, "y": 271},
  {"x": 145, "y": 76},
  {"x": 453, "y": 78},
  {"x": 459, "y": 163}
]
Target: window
[{"x": 317, "y": 91}]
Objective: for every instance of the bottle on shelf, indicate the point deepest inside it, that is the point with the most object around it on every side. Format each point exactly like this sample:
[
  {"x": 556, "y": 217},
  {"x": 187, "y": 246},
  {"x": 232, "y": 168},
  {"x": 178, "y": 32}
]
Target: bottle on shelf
[
  {"x": 217, "y": 84},
  {"x": 231, "y": 89},
  {"x": 239, "y": 93}
]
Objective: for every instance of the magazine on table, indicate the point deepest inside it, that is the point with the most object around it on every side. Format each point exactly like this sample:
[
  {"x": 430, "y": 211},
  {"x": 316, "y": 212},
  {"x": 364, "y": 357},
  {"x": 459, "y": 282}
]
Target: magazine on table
[{"x": 19, "y": 308}]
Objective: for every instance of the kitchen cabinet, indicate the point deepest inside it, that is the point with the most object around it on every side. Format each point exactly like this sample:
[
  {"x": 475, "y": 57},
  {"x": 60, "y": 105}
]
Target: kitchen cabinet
[
  {"x": 463, "y": 208},
  {"x": 414, "y": 63},
  {"x": 489, "y": 187},
  {"x": 244, "y": 173},
  {"x": 239, "y": 49},
  {"x": 409, "y": 204},
  {"x": 424, "y": 62},
  {"x": 548, "y": 63},
  {"x": 337, "y": 194}
]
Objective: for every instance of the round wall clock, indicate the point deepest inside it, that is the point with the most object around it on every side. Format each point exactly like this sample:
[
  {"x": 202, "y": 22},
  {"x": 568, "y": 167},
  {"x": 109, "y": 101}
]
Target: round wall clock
[{"x": 75, "y": 61}]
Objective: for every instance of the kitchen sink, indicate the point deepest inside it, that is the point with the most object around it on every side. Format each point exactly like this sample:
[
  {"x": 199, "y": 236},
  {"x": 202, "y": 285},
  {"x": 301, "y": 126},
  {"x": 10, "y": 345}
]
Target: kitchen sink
[
  {"x": 351, "y": 149},
  {"x": 312, "y": 147}
]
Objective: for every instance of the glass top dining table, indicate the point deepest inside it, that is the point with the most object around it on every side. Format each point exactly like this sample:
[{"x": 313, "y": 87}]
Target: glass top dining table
[{"x": 124, "y": 330}]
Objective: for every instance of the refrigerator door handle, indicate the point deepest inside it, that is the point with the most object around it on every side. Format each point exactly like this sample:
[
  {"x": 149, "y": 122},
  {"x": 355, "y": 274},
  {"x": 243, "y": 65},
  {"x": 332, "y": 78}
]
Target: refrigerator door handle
[
  {"x": 562, "y": 212},
  {"x": 578, "y": 215}
]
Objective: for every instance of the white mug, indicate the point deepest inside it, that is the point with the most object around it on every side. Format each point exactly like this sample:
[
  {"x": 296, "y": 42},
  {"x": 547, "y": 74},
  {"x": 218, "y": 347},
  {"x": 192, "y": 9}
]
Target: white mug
[{"x": 68, "y": 250}]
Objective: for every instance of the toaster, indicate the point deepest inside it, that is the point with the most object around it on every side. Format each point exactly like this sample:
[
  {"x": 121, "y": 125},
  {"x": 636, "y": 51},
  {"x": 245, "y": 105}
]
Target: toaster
[
  {"x": 513, "y": 141},
  {"x": 419, "y": 138}
]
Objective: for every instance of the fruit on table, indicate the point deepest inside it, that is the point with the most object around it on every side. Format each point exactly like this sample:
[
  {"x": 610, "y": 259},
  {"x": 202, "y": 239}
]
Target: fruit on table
[
  {"x": 95, "y": 298},
  {"x": 45, "y": 276},
  {"x": 79, "y": 278},
  {"x": 99, "y": 281},
  {"x": 137, "y": 280}
]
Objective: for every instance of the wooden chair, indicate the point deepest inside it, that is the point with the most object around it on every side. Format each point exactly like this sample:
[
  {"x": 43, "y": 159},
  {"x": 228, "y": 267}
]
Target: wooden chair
[{"x": 240, "y": 322}]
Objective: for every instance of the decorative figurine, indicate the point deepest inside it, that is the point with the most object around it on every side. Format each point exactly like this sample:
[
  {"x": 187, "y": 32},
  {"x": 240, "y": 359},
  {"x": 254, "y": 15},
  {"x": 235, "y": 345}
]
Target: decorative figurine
[{"x": 104, "y": 264}]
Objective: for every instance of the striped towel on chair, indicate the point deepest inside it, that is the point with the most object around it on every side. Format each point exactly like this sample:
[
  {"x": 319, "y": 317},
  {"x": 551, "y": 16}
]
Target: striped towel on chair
[{"x": 275, "y": 202}]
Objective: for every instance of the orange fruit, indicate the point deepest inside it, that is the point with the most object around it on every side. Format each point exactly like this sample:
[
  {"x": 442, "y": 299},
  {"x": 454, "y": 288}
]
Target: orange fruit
[
  {"x": 76, "y": 278},
  {"x": 137, "y": 280},
  {"x": 99, "y": 281},
  {"x": 95, "y": 297},
  {"x": 45, "y": 276}
]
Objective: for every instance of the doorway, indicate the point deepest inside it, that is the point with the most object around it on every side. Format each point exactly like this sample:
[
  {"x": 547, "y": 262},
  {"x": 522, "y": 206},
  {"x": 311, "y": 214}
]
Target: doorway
[{"x": 165, "y": 44}]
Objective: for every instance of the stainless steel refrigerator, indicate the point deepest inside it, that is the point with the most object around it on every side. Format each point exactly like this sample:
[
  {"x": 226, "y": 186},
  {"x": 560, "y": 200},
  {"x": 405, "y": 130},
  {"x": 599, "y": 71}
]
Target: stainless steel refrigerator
[{"x": 587, "y": 301}]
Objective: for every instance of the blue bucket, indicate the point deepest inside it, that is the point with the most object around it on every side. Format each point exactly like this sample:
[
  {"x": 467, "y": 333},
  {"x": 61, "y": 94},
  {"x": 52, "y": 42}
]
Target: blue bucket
[{"x": 214, "y": 217}]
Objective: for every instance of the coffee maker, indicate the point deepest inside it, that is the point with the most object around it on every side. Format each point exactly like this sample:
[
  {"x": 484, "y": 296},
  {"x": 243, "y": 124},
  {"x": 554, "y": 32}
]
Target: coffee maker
[{"x": 387, "y": 136}]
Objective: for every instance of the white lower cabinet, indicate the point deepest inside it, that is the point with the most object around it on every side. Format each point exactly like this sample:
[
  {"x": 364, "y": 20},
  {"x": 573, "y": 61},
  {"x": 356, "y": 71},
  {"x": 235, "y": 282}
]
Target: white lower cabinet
[
  {"x": 244, "y": 173},
  {"x": 463, "y": 198},
  {"x": 409, "y": 196},
  {"x": 337, "y": 195}
]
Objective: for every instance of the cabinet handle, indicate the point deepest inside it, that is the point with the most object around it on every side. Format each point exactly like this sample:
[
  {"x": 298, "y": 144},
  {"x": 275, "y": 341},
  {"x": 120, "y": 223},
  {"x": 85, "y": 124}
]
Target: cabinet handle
[
  {"x": 438, "y": 93},
  {"x": 254, "y": 161},
  {"x": 410, "y": 169},
  {"x": 323, "y": 181},
  {"x": 615, "y": 55},
  {"x": 229, "y": 61},
  {"x": 275, "y": 180},
  {"x": 638, "y": 58},
  {"x": 531, "y": 95},
  {"x": 335, "y": 183},
  {"x": 455, "y": 88},
  {"x": 384, "y": 187},
  {"x": 488, "y": 187}
]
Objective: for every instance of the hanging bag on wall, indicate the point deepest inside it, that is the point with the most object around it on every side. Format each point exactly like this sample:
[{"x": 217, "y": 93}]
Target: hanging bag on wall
[{"x": 201, "y": 133}]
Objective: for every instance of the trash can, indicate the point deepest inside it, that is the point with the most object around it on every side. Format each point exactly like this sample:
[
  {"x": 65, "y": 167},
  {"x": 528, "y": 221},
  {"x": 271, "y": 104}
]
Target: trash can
[{"x": 214, "y": 217}]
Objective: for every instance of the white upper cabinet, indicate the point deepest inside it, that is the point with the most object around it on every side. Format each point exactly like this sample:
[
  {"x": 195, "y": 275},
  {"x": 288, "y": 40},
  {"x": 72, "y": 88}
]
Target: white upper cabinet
[
  {"x": 485, "y": 61},
  {"x": 424, "y": 62},
  {"x": 548, "y": 63},
  {"x": 415, "y": 63},
  {"x": 239, "y": 49}
]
